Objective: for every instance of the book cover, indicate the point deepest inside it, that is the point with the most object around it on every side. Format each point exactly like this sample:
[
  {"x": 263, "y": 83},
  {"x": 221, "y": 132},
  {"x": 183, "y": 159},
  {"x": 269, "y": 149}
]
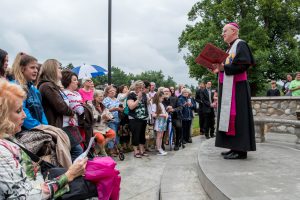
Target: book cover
[{"x": 210, "y": 55}]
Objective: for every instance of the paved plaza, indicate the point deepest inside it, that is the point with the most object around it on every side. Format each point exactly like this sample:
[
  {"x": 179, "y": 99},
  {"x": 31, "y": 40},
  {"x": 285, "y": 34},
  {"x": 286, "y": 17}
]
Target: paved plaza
[{"x": 198, "y": 172}]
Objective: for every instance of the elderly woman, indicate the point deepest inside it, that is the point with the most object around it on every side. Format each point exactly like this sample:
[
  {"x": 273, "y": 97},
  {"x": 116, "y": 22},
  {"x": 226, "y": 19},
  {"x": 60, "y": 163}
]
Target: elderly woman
[
  {"x": 87, "y": 91},
  {"x": 188, "y": 105},
  {"x": 138, "y": 116},
  {"x": 113, "y": 105},
  {"x": 19, "y": 176},
  {"x": 102, "y": 117}
]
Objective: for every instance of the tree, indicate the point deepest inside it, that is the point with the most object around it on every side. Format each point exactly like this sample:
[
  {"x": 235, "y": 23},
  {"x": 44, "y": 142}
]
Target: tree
[
  {"x": 157, "y": 77},
  {"x": 270, "y": 27},
  {"x": 70, "y": 66},
  {"x": 118, "y": 76}
]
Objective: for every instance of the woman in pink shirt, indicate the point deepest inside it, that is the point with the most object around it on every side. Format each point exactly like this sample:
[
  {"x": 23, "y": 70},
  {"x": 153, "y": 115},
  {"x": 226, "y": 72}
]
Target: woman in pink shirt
[{"x": 87, "y": 92}]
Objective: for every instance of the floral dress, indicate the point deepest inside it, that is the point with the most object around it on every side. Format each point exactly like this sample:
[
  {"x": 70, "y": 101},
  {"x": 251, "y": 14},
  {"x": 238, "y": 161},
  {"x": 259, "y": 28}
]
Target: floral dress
[{"x": 160, "y": 123}]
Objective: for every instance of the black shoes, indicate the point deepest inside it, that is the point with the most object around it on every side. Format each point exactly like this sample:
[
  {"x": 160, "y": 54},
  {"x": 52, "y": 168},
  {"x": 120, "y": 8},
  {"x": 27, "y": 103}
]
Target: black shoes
[
  {"x": 212, "y": 135},
  {"x": 224, "y": 153},
  {"x": 176, "y": 148},
  {"x": 236, "y": 155},
  {"x": 190, "y": 141},
  {"x": 206, "y": 136}
]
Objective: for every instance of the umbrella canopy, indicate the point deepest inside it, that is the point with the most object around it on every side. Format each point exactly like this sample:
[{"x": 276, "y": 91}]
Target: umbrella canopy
[{"x": 89, "y": 71}]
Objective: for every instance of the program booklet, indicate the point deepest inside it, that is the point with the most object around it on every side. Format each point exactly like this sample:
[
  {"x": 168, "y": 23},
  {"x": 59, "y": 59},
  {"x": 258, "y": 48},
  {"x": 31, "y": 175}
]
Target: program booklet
[
  {"x": 210, "y": 55},
  {"x": 85, "y": 153}
]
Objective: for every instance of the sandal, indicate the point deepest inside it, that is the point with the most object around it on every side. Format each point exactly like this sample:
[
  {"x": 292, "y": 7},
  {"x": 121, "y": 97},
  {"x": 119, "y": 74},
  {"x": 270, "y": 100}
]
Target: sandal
[
  {"x": 137, "y": 155},
  {"x": 144, "y": 154}
]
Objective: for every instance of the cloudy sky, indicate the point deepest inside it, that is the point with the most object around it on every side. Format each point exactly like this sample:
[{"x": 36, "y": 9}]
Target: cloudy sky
[{"x": 144, "y": 33}]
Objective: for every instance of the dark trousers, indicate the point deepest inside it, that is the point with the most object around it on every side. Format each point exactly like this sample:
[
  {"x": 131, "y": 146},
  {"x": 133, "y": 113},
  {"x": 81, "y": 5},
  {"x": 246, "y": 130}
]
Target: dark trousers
[
  {"x": 137, "y": 128},
  {"x": 177, "y": 125},
  {"x": 186, "y": 129},
  {"x": 209, "y": 124},
  {"x": 201, "y": 121}
]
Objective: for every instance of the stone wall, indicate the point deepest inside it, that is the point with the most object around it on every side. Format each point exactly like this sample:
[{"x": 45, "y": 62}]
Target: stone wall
[{"x": 276, "y": 107}]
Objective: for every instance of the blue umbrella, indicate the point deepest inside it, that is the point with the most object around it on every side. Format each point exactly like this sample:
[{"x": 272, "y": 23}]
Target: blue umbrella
[{"x": 89, "y": 71}]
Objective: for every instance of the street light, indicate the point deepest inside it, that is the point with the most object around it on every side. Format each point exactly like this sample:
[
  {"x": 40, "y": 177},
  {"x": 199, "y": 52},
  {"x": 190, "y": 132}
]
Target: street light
[{"x": 109, "y": 43}]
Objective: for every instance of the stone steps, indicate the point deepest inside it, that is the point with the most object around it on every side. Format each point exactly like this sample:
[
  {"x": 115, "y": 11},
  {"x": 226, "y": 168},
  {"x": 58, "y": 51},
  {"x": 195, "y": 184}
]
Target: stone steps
[{"x": 271, "y": 172}]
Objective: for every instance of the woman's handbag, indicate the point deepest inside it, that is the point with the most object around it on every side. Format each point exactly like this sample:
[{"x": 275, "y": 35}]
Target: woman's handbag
[{"x": 79, "y": 187}]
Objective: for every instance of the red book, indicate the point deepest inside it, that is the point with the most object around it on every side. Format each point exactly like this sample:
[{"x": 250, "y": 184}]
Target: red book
[{"x": 210, "y": 55}]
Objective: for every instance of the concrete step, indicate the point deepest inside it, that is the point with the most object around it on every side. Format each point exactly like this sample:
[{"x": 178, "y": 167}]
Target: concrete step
[{"x": 271, "y": 172}]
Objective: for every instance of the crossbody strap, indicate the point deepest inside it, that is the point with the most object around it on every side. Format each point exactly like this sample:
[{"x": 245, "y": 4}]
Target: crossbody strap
[{"x": 33, "y": 157}]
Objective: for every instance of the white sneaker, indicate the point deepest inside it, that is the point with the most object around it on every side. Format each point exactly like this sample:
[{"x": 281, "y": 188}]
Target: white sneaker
[{"x": 161, "y": 152}]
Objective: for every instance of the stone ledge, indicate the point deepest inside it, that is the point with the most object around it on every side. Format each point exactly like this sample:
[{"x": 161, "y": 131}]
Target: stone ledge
[{"x": 274, "y": 98}]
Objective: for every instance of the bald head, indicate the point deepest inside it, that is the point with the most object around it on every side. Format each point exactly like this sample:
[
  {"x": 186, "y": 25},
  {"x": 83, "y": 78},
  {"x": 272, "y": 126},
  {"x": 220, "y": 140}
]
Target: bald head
[{"x": 230, "y": 32}]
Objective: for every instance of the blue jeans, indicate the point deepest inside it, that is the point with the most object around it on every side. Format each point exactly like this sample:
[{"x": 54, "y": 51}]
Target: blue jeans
[
  {"x": 114, "y": 126},
  {"x": 76, "y": 151}
]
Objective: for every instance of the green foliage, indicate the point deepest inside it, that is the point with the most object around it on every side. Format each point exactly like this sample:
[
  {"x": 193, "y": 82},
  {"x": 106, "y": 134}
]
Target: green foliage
[
  {"x": 70, "y": 66},
  {"x": 119, "y": 77},
  {"x": 270, "y": 27}
]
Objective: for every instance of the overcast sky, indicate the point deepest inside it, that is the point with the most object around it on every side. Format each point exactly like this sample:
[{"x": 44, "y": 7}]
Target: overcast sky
[{"x": 144, "y": 33}]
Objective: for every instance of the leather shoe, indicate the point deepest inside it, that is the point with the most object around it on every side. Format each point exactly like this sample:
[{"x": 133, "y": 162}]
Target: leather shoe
[
  {"x": 212, "y": 135},
  {"x": 224, "y": 153},
  {"x": 176, "y": 148},
  {"x": 190, "y": 141},
  {"x": 235, "y": 155},
  {"x": 207, "y": 137}
]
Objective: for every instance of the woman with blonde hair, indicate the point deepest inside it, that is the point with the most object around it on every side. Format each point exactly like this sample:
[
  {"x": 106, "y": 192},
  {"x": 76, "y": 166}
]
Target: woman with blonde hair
[
  {"x": 25, "y": 72},
  {"x": 56, "y": 102},
  {"x": 20, "y": 177},
  {"x": 138, "y": 116},
  {"x": 53, "y": 98}
]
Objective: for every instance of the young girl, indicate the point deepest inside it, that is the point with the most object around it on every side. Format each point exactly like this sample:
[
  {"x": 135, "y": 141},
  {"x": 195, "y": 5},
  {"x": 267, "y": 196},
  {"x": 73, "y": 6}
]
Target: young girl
[{"x": 160, "y": 124}]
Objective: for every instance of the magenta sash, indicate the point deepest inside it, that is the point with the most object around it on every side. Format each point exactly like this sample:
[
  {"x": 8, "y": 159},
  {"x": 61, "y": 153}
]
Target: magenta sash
[{"x": 236, "y": 78}]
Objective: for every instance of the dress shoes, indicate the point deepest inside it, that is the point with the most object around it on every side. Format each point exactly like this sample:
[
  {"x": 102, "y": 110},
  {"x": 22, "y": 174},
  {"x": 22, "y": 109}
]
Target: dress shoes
[
  {"x": 190, "y": 141},
  {"x": 212, "y": 135},
  {"x": 176, "y": 148},
  {"x": 236, "y": 155},
  {"x": 207, "y": 137},
  {"x": 224, "y": 153}
]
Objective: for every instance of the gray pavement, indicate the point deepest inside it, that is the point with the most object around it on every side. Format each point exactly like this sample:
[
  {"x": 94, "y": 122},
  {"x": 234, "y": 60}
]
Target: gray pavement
[
  {"x": 180, "y": 179},
  {"x": 271, "y": 172},
  {"x": 174, "y": 176}
]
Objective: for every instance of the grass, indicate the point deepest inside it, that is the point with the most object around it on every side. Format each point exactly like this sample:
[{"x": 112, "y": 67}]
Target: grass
[{"x": 195, "y": 124}]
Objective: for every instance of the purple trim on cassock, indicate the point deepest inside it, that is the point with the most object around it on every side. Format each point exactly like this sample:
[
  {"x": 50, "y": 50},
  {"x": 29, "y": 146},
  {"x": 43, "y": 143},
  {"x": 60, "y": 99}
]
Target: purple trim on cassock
[{"x": 236, "y": 78}]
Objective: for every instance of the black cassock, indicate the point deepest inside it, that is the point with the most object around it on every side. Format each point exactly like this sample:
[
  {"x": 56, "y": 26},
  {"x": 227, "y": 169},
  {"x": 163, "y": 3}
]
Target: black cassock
[{"x": 244, "y": 139}]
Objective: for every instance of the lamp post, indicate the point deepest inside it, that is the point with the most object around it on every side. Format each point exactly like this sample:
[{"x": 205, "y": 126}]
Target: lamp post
[{"x": 109, "y": 43}]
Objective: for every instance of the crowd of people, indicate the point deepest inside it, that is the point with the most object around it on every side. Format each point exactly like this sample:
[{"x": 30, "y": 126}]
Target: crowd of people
[
  {"x": 45, "y": 111},
  {"x": 290, "y": 87}
]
